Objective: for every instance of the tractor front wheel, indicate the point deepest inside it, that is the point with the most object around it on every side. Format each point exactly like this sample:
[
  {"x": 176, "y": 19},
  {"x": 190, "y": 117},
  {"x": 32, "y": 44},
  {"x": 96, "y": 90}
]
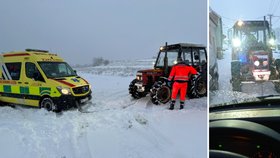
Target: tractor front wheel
[
  {"x": 277, "y": 87},
  {"x": 160, "y": 93},
  {"x": 133, "y": 90}
]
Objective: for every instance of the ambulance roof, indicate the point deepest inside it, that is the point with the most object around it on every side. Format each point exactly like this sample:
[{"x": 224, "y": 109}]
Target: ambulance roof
[{"x": 35, "y": 55}]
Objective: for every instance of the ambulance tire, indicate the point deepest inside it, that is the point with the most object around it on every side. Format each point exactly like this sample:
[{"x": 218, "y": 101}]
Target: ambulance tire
[
  {"x": 197, "y": 87},
  {"x": 47, "y": 103},
  {"x": 133, "y": 90},
  {"x": 2, "y": 104},
  {"x": 160, "y": 93}
]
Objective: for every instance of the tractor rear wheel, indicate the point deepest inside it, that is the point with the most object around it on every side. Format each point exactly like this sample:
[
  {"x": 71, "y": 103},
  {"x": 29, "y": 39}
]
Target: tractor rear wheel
[
  {"x": 236, "y": 85},
  {"x": 160, "y": 93},
  {"x": 133, "y": 90},
  {"x": 235, "y": 74},
  {"x": 197, "y": 87}
]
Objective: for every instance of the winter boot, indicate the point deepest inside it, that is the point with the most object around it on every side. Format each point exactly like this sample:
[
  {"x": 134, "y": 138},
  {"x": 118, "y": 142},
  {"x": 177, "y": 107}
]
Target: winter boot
[
  {"x": 182, "y": 103},
  {"x": 172, "y": 105}
]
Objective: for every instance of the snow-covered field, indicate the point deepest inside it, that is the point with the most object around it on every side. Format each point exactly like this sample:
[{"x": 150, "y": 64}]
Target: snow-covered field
[
  {"x": 120, "y": 67},
  {"x": 119, "y": 127},
  {"x": 249, "y": 90}
]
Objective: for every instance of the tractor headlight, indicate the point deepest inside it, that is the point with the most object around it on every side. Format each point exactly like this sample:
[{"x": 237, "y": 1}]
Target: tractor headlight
[
  {"x": 139, "y": 76},
  {"x": 64, "y": 90},
  {"x": 257, "y": 63},
  {"x": 265, "y": 63},
  {"x": 240, "y": 23},
  {"x": 271, "y": 41},
  {"x": 236, "y": 42}
]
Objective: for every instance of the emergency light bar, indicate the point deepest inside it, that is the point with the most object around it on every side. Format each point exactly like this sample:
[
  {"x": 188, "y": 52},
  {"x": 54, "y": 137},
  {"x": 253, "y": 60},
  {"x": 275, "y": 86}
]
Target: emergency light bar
[{"x": 36, "y": 50}]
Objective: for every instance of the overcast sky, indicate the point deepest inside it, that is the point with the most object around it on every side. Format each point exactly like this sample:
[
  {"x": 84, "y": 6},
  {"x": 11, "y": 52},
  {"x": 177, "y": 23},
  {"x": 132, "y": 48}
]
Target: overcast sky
[
  {"x": 79, "y": 30},
  {"x": 232, "y": 10}
]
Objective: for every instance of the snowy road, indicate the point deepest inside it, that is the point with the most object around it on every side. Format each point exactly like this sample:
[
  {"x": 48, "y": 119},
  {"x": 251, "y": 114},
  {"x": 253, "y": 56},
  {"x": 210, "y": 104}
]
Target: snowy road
[
  {"x": 120, "y": 128},
  {"x": 249, "y": 90}
]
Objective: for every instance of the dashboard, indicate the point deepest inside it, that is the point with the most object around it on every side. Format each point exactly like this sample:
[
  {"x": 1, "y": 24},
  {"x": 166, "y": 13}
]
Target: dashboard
[{"x": 253, "y": 133}]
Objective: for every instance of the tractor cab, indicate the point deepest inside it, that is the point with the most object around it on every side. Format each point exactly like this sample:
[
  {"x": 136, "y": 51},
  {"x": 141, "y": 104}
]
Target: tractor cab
[
  {"x": 252, "y": 60},
  {"x": 192, "y": 54},
  {"x": 149, "y": 81},
  {"x": 251, "y": 36}
]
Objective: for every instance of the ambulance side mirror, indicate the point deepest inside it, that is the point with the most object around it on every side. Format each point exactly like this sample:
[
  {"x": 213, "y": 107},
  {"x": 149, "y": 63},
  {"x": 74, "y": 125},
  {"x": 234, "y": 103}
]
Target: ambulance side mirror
[
  {"x": 35, "y": 76},
  {"x": 38, "y": 77}
]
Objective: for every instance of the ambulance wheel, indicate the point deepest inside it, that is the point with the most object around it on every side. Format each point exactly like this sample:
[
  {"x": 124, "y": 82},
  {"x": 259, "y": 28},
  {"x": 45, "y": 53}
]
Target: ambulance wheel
[
  {"x": 47, "y": 104},
  {"x": 133, "y": 90},
  {"x": 160, "y": 93},
  {"x": 197, "y": 87},
  {"x": 2, "y": 104}
]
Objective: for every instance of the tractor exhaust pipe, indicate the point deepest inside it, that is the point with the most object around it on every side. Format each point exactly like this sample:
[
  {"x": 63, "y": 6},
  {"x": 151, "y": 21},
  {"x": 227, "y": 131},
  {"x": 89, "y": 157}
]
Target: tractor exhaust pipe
[{"x": 165, "y": 61}]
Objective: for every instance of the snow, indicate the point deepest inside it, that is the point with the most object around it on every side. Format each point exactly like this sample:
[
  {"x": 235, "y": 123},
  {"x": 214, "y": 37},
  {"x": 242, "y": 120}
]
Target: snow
[
  {"x": 120, "y": 67},
  {"x": 119, "y": 127},
  {"x": 249, "y": 90}
]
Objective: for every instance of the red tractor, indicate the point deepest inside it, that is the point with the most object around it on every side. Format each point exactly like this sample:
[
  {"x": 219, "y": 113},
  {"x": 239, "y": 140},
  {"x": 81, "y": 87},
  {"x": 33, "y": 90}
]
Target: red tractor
[
  {"x": 154, "y": 81},
  {"x": 252, "y": 54}
]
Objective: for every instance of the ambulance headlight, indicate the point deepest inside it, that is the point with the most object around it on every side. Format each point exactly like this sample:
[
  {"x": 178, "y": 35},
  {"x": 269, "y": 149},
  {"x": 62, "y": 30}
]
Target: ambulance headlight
[
  {"x": 64, "y": 90},
  {"x": 236, "y": 42},
  {"x": 257, "y": 63}
]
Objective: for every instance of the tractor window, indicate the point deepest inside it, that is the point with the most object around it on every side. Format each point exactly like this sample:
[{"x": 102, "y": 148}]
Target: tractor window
[
  {"x": 13, "y": 72},
  {"x": 32, "y": 72},
  {"x": 196, "y": 56},
  {"x": 188, "y": 56},
  {"x": 202, "y": 55},
  {"x": 171, "y": 56},
  {"x": 252, "y": 37}
]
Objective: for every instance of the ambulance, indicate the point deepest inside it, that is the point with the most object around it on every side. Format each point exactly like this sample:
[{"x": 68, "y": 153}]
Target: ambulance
[{"x": 41, "y": 79}]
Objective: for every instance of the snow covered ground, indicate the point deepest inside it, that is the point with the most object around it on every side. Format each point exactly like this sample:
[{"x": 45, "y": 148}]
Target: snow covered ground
[
  {"x": 249, "y": 90},
  {"x": 120, "y": 67},
  {"x": 119, "y": 127}
]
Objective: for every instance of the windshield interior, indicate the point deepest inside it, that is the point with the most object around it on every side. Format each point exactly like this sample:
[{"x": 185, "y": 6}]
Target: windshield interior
[{"x": 56, "y": 69}]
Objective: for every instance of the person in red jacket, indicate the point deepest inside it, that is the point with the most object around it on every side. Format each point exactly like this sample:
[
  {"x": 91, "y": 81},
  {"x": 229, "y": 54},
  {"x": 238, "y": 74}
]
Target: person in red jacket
[{"x": 180, "y": 73}]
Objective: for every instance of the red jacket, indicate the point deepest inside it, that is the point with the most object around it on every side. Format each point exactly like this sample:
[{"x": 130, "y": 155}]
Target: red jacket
[{"x": 181, "y": 72}]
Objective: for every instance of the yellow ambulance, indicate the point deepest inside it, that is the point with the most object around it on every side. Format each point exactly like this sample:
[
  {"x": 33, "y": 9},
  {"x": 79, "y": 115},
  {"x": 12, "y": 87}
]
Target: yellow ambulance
[{"x": 41, "y": 79}]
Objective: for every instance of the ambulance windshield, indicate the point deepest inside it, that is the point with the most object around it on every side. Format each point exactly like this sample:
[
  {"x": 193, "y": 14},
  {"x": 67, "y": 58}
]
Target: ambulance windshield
[{"x": 57, "y": 69}]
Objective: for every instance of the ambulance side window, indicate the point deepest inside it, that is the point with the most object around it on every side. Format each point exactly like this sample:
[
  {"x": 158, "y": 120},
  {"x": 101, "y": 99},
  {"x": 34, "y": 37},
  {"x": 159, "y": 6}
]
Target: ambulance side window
[
  {"x": 13, "y": 70},
  {"x": 32, "y": 72}
]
